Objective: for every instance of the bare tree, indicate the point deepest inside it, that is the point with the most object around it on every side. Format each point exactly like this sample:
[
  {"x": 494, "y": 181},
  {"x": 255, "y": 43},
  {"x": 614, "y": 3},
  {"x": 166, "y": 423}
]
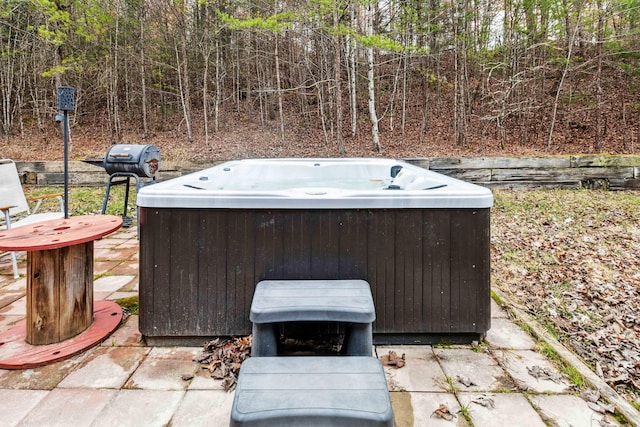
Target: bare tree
[
  {"x": 206, "y": 54},
  {"x": 600, "y": 128},
  {"x": 338, "y": 78},
  {"x": 276, "y": 55},
  {"x": 373, "y": 116},
  {"x": 352, "y": 49},
  {"x": 565, "y": 71},
  {"x": 143, "y": 79}
]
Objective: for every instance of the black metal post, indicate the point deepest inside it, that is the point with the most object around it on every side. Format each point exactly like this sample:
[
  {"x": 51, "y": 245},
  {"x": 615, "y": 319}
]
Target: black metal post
[
  {"x": 65, "y": 137},
  {"x": 66, "y": 103}
]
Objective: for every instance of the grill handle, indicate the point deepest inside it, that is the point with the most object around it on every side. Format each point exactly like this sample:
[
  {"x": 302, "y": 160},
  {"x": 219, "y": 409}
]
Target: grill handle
[{"x": 120, "y": 155}]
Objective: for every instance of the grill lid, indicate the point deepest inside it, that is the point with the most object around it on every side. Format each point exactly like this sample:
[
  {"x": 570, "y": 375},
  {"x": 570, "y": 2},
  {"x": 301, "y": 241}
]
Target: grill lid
[{"x": 143, "y": 160}]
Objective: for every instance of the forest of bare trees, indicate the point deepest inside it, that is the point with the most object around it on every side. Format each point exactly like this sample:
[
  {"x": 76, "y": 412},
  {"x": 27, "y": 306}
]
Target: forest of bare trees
[{"x": 516, "y": 71}]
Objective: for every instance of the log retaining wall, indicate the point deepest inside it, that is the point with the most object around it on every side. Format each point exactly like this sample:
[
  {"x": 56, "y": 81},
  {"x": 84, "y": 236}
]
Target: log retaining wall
[{"x": 577, "y": 171}]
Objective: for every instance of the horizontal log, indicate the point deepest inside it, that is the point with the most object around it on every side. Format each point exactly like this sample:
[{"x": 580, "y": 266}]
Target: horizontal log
[
  {"x": 421, "y": 162},
  {"x": 499, "y": 163},
  {"x": 624, "y": 184},
  {"x": 604, "y": 161},
  {"x": 560, "y": 174},
  {"x": 614, "y": 172},
  {"x": 75, "y": 178},
  {"x": 472, "y": 175},
  {"x": 57, "y": 167},
  {"x": 527, "y": 185}
]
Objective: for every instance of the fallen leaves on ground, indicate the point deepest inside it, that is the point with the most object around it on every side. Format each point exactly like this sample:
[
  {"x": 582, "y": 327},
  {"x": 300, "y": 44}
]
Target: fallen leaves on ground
[
  {"x": 465, "y": 381},
  {"x": 540, "y": 372},
  {"x": 571, "y": 258},
  {"x": 222, "y": 357},
  {"x": 485, "y": 400},
  {"x": 443, "y": 412},
  {"x": 392, "y": 359}
]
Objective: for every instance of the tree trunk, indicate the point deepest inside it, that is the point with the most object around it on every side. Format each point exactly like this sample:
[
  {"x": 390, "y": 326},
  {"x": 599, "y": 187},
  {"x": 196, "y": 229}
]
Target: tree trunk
[
  {"x": 404, "y": 93},
  {"x": 323, "y": 117},
  {"x": 187, "y": 91},
  {"x": 279, "y": 88},
  {"x": 219, "y": 84},
  {"x": 338, "y": 83},
  {"x": 373, "y": 116},
  {"x": 116, "y": 84},
  {"x": 565, "y": 71},
  {"x": 599, "y": 144},
  {"x": 352, "y": 53},
  {"x": 183, "y": 85},
  {"x": 206, "y": 53},
  {"x": 143, "y": 82}
]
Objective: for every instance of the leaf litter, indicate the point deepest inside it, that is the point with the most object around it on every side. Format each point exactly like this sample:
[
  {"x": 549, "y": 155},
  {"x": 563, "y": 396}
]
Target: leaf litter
[
  {"x": 222, "y": 357},
  {"x": 392, "y": 359},
  {"x": 443, "y": 412},
  {"x": 571, "y": 258}
]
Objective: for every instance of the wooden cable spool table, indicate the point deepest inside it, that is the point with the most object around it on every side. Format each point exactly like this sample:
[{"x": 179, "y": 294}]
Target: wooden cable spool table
[{"x": 60, "y": 307}]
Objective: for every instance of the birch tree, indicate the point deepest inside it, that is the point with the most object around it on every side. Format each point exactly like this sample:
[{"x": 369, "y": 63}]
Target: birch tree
[
  {"x": 373, "y": 115},
  {"x": 338, "y": 76},
  {"x": 352, "y": 70}
]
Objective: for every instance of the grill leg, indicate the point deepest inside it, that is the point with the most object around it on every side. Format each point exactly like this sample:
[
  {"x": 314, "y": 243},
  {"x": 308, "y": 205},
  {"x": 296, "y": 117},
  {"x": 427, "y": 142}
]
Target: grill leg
[
  {"x": 106, "y": 196},
  {"x": 126, "y": 221}
]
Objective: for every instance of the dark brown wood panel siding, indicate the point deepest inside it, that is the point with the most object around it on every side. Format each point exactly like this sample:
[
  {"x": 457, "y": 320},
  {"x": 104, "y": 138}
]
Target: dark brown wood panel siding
[
  {"x": 428, "y": 268},
  {"x": 437, "y": 274}
]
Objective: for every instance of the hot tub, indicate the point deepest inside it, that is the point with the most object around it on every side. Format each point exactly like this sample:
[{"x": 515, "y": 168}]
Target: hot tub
[{"x": 421, "y": 240}]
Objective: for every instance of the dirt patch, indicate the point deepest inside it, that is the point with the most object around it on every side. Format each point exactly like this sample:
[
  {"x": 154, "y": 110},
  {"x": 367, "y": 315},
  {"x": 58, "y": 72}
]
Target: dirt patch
[{"x": 402, "y": 408}]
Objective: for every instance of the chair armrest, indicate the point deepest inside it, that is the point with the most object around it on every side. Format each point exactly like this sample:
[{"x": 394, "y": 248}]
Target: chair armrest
[
  {"x": 39, "y": 200},
  {"x": 7, "y": 218},
  {"x": 6, "y": 208},
  {"x": 44, "y": 196}
]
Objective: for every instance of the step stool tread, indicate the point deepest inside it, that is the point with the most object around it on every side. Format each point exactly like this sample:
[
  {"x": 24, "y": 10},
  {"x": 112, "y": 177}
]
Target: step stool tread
[
  {"x": 296, "y": 390},
  {"x": 312, "y": 300}
]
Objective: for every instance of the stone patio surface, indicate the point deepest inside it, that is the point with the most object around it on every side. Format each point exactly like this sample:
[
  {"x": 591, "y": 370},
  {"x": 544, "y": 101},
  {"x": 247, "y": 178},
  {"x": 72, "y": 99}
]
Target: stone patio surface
[{"x": 504, "y": 381}]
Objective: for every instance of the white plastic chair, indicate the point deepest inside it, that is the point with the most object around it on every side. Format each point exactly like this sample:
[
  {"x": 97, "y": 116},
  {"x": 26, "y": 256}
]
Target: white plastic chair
[{"x": 15, "y": 206}]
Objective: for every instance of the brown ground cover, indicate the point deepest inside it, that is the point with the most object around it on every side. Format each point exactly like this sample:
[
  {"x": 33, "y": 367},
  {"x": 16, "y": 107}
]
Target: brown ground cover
[{"x": 571, "y": 258}]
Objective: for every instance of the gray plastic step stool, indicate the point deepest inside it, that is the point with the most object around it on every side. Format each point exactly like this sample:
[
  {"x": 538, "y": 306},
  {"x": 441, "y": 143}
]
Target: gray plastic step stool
[
  {"x": 311, "y": 391},
  {"x": 277, "y": 301}
]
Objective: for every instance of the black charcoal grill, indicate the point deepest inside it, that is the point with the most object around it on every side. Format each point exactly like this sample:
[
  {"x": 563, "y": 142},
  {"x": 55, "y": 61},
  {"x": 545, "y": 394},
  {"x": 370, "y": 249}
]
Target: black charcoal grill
[
  {"x": 124, "y": 162},
  {"x": 141, "y": 160}
]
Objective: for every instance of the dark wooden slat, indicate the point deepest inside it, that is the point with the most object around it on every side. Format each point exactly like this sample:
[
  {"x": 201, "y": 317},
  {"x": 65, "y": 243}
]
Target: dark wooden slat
[
  {"x": 240, "y": 270},
  {"x": 212, "y": 272},
  {"x": 155, "y": 266},
  {"x": 381, "y": 268},
  {"x": 408, "y": 259},
  {"x": 324, "y": 245},
  {"x": 296, "y": 258},
  {"x": 269, "y": 230},
  {"x": 183, "y": 277},
  {"x": 353, "y": 243},
  {"x": 437, "y": 274}
]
